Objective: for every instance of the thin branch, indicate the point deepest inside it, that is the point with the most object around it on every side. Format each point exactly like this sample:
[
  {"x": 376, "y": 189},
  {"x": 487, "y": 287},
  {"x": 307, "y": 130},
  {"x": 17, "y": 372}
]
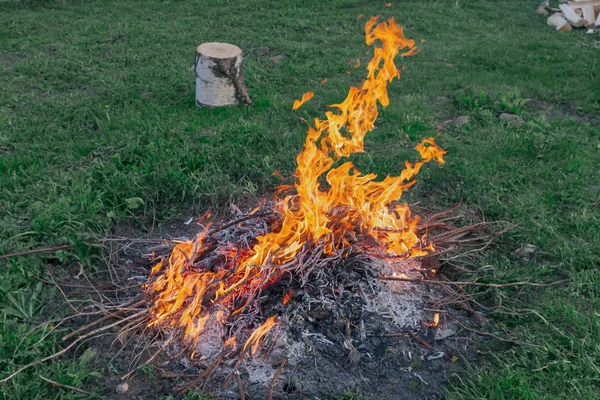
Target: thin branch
[
  {"x": 34, "y": 251},
  {"x": 239, "y": 220},
  {"x": 490, "y": 285},
  {"x": 240, "y": 387},
  {"x": 275, "y": 377},
  {"x": 69, "y": 387},
  {"x": 63, "y": 351}
]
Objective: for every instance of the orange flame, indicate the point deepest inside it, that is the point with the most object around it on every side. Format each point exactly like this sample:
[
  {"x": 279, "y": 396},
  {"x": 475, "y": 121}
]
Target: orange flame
[
  {"x": 305, "y": 97},
  {"x": 332, "y": 205},
  {"x": 254, "y": 339}
]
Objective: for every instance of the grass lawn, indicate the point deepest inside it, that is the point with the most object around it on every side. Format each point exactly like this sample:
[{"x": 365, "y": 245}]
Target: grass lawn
[{"x": 98, "y": 127}]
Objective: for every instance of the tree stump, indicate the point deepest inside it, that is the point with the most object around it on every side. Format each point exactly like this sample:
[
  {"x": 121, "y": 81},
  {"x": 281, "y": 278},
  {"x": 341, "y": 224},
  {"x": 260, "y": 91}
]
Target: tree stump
[{"x": 219, "y": 79}]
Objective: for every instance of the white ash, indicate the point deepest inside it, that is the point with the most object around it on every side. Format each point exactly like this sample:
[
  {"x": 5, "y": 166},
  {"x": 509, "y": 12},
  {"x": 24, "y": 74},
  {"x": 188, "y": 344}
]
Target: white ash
[
  {"x": 210, "y": 342},
  {"x": 261, "y": 372}
]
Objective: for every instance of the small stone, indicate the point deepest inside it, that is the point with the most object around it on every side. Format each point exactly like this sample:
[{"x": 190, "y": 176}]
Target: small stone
[
  {"x": 461, "y": 120},
  {"x": 447, "y": 331},
  {"x": 589, "y": 31},
  {"x": 145, "y": 95},
  {"x": 122, "y": 388},
  {"x": 594, "y": 188},
  {"x": 262, "y": 51},
  {"x": 527, "y": 252},
  {"x": 511, "y": 119},
  {"x": 436, "y": 356},
  {"x": 277, "y": 59}
]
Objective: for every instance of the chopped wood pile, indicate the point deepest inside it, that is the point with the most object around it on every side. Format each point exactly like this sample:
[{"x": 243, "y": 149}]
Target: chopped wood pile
[{"x": 572, "y": 14}]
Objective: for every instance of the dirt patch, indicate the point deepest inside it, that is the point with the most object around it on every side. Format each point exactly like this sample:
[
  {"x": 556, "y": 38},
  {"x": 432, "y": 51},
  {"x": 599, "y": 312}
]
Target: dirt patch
[
  {"x": 342, "y": 332},
  {"x": 555, "y": 112}
]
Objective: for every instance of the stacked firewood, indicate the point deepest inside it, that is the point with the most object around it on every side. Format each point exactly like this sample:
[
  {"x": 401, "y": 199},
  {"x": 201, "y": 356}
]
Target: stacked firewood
[{"x": 572, "y": 14}]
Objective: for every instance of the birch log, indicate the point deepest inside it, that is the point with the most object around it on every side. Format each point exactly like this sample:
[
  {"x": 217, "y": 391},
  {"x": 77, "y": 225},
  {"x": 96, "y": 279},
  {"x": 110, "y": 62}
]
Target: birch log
[{"x": 219, "y": 78}]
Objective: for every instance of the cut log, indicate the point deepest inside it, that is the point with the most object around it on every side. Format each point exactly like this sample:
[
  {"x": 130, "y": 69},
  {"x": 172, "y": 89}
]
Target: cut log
[
  {"x": 589, "y": 16},
  {"x": 570, "y": 16},
  {"x": 219, "y": 78},
  {"x": 559, "y": 22},
  {"x": 580, "y": 4}
]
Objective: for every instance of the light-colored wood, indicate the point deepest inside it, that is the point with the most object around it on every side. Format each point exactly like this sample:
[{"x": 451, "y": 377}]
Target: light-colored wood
[
  {"x": 598, "y": 21},
  {"x": 579, "y": 4},
  {"x": 559, "y": 22},
  {"x": 570, "y": 16},
  {"x": 219, "y": 50},
  {"x": 219, "y": 78},
  {"x": 589, "y": 16}
]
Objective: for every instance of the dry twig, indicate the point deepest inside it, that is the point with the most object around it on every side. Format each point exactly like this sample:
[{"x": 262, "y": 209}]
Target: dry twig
[
  {"x": 69, "y": 387},
  {"x": 34, "y": 251},
  {"x": 275, "y": 377}
]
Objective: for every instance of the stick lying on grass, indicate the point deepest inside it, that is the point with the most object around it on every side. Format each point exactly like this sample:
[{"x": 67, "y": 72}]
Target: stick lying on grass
[
  {"x": 69, "y": 387},
  {"x": 34, "y": 251}
]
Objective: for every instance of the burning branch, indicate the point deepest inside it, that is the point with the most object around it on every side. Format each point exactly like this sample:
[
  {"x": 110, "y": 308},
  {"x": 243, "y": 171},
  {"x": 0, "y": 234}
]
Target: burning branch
[{"x": 210, "y": 279}]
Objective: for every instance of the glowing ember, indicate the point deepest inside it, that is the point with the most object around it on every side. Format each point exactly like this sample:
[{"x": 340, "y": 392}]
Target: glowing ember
[
  {"x": 328, "y": 209},
  {"x": 287, "y": 297}
]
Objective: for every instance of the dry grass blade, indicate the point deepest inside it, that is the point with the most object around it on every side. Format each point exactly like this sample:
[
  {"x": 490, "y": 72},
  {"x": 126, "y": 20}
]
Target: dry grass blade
[
  {"x": 458, "y": 283},
  {"x": 56, "y": 384}
]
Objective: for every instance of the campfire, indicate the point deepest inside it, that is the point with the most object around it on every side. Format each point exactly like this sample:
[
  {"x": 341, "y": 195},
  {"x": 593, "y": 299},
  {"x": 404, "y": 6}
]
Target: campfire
[
  {"x": 331, "y": 260},
  {"x": 331, "y": 213}
]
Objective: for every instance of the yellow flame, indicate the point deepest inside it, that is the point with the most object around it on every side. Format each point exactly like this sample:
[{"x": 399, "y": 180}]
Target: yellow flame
[
  {"x": 305, "y": 97},
  {"x": 332, "y": 204}
]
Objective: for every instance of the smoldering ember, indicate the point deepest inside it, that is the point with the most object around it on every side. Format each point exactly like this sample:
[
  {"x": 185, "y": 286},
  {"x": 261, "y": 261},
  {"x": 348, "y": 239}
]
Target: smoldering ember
[{"x": 312, "y": 289}]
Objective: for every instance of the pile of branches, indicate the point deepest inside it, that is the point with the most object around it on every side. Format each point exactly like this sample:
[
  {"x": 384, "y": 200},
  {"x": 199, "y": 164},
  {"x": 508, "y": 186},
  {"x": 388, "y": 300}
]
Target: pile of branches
[{"x": 133, "y": 316}]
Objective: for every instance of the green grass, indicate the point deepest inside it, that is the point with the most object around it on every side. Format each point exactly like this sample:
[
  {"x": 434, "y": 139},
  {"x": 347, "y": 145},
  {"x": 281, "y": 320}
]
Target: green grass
[{"x": 98, "y": 127}]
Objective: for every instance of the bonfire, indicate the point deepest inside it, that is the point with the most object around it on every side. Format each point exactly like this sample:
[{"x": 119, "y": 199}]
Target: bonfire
[
  {"x": 269, "y": 270},
  {"x": 331, "y": 212}
]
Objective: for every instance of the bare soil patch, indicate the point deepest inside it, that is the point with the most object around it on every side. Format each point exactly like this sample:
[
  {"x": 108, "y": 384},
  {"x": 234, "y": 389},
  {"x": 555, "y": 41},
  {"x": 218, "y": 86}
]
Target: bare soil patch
[{"x": 343, "y": 332}]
